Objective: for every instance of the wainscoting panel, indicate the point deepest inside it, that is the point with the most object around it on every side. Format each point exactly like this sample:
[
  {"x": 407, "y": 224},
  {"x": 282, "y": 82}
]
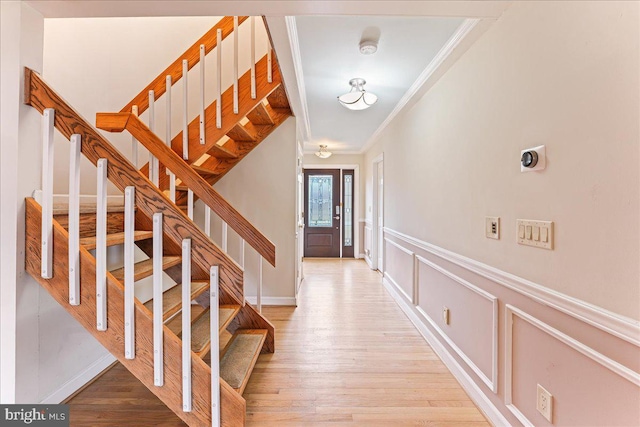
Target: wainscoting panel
[
  {"x": 536, "y": 354},
  {"x": 399, "y": 269},
  {"x": 507, "y": 334},
  {"x": 472, "y": 331}
]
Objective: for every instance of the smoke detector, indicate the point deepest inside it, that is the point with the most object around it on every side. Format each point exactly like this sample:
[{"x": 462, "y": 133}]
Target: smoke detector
[{"x": 368, "y": 47}]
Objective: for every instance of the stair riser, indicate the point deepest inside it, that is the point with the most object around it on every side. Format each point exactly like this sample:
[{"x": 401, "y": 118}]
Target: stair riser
[{"x": 115, "y": 223}]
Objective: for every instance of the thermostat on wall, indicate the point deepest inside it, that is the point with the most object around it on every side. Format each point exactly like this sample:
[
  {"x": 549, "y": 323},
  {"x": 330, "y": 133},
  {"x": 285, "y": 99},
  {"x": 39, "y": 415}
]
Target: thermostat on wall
[{"x": 533, "y": 159}]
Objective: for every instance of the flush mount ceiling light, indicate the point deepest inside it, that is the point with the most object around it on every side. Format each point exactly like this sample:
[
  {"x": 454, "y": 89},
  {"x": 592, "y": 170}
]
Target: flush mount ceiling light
[
  {"x": 357, "y": 98},
  {"x": 323, "y": 153}
]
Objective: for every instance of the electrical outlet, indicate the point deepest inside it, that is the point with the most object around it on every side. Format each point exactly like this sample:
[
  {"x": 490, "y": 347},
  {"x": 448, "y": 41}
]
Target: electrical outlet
[
  {"x": 445, "y": 315},
  {"x": 492, "y": 227},
  {"x": 544, "y": 403}
]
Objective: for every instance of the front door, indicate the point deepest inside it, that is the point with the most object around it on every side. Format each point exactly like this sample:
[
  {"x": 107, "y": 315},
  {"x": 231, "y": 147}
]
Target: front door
[{"x": 322, "y": 213}]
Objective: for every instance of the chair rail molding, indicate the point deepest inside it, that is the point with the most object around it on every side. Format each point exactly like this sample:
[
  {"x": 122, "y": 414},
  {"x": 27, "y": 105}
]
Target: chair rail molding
[{"x": 622, "y": 327}]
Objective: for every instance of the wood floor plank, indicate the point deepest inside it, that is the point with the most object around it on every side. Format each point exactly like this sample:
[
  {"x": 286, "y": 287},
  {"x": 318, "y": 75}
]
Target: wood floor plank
[{"x": 337, "y": 363}]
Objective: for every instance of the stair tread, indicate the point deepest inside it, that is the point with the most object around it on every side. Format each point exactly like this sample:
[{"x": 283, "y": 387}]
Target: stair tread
[
  {"x": 144, "y": 268},
  {"x": 240, "y": 356},
  {"x": 200, "y": 321},
  {"x": 260, "y": 115},
  {"x": 172, "y": 298},
  {"x": 226, "y": 313},
  {"x": 221, "y": 152},
  {"x": 240, "y": 133},
  {"x": 115, "y": 238},
  {"x": 203, "y": 171}
]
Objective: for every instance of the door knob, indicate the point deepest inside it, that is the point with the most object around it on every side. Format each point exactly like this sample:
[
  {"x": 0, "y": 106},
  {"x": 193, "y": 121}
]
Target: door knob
[{"x": 336, "y": 217}]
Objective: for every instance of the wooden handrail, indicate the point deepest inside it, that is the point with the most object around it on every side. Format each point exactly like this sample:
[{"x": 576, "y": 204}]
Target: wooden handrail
[
  {"x": 122, "y": 173},
  {"x": 117, "y": 122},
  {"x": 192, "y": 55}
]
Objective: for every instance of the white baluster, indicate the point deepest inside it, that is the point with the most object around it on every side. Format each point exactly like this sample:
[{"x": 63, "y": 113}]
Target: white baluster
[
  {"x": 167, "y": 137},
  {"x": 259, "y": 299},
  {"x": 214, "y": 328},
  {"x": 225, "y": 229},
  {"x": 129, "y": 280},
  {"x": 48, "y": 118},
  {"x": 153, "y": 161},
  {"x": 241, "y": 260},
  {"x": 158, "y": 329},
  {"x": 253, "y": 57},
  {"x": 190, "y": 204},
  {"x": 235, "y": 64},
  {"x": 172, "y": 187},
  {"x": 185, "y": 110},
  {"x": 207, "y": 220},
  {"x": 172, "y": 176},
  {"x": 202, "y": 131},
  {"x": 269, "y": 69},
  {"x": 101, "y": 247},
  {"x": 186, "y": 325},
  {"x": 219, "y": 80},
  {"x": 74, "y": 220},
  {"x": 134, "y": 142}
]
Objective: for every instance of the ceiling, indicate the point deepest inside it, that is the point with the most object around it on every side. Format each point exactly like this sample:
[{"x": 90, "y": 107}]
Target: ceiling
[
  {"x": 330, "y": 57},
  {"x": 317, "y": 45}
]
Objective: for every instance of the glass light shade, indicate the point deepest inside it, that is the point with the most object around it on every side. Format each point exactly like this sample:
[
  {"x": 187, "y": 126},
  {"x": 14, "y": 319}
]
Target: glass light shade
[
  {"x": 323, "y": 153},
  {"x": 357, "y": 98}
]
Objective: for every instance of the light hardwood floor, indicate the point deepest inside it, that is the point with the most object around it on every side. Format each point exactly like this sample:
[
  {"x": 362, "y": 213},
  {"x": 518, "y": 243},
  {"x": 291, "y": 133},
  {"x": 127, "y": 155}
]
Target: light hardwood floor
[{"x": 346, "y": 356}]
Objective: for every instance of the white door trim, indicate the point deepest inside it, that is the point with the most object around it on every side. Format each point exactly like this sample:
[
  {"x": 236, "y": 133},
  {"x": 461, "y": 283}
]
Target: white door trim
[{"x": 375, "y": 235}]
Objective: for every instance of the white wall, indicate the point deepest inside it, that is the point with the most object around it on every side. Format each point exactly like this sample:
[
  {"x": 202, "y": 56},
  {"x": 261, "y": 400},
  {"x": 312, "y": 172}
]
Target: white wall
[
  {"x": 560, "y": 74},
  {"x": 22, "y": 29},
  {"x": 113, "y": 59},
  {"x": 263, "y": 189},
  {"x": 563, "y": 74}
]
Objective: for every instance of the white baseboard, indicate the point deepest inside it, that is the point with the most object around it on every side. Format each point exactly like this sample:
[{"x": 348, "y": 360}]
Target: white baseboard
[
  {"x": 361, "y": 256},
  {"x": 74, "y": 384},
  {"x": 285, "y": 301},
  {"x": 368, "y": 261},
  {"x": 474, "y": 391}
]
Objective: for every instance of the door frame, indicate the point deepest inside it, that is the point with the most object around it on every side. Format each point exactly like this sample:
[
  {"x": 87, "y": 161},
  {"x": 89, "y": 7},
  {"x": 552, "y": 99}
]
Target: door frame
[
  {"x": 376, "y": 238},
  {"x": 356, "y": 204},
  {"x": 299, "y": 220}
]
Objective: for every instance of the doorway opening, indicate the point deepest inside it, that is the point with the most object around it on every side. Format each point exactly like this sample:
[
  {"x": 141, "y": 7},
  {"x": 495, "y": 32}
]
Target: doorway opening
[{"x": 330, "y": 208}]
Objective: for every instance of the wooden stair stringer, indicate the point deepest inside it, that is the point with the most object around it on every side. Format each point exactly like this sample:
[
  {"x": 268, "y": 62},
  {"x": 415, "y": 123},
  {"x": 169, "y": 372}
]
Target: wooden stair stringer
[
  {"x": 233, "y": 406},
  {"x": 229, "y": 119},
  {"x": 242, "y": 149},
  {"x": 249, "y": 318}
]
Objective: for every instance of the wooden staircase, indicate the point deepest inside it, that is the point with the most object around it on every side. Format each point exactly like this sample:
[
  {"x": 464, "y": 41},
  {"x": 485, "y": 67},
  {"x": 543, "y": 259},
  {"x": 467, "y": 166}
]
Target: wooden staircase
[{"x": 193, "y": 276}]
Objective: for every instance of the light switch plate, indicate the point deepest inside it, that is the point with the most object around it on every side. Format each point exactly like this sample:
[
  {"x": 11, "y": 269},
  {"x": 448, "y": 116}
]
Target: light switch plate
[
  {"x": 536, "y": 233},
  {"x": 492, "y": 227}
]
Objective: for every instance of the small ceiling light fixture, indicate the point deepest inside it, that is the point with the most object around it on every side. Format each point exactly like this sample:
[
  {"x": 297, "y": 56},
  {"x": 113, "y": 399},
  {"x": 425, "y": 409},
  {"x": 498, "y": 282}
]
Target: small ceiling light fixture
[
  {"x": 323, "y": 153},
  {"x": 357, "y": 98}
]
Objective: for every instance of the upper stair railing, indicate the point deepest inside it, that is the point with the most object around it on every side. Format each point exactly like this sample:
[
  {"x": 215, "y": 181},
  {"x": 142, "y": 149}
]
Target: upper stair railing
[{"x": 198, "y": 139}]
